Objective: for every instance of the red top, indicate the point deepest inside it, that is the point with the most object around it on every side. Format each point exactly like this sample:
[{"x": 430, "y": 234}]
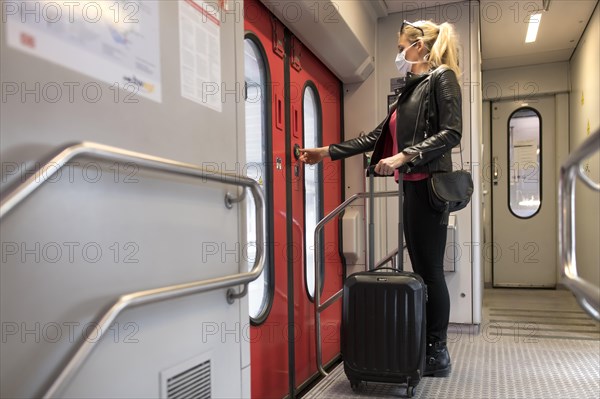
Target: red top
[{"x": 407, "y": 176}]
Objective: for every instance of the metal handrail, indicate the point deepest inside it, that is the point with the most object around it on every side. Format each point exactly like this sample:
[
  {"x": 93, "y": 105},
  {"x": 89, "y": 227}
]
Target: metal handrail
[
  {"x": 391, "y": 257},
  {"x": 318, "y": 307},
  {"x": 110, "y": 313},
  {"x": 587, "y": 294}
]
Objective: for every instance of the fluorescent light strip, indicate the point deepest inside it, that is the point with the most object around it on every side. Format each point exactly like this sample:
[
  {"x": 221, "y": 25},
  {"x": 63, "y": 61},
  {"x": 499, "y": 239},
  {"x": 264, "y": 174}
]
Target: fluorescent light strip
[{"x": 532, "y": 30}]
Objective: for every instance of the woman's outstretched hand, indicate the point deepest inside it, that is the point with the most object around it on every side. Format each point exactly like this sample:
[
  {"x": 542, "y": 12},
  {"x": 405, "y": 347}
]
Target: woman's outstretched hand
[{"x": 312, "y": 156}]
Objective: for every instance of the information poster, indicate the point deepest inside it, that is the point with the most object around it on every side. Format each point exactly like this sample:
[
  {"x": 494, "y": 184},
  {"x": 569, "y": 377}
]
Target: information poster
[
  {"x": 116, "y": 42},
  {"x": 200, "y": 52}
]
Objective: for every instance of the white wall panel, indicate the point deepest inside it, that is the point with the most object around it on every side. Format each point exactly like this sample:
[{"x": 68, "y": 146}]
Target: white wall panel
[
  {"x": 153, "y": 230},
  {"x": 585, "y": 120},
  {"x": 523, "y": 83}
]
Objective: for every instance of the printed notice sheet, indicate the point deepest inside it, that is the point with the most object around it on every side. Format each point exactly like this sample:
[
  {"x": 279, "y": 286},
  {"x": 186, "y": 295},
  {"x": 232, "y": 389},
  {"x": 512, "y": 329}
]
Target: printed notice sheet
[{"x": 200, "y": 52}]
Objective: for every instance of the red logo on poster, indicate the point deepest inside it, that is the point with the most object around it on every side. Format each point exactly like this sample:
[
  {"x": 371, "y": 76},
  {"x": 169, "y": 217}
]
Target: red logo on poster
[{"x": 27, "y": 40}]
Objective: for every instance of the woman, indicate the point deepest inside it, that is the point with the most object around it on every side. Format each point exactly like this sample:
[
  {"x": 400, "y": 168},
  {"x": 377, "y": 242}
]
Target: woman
[{"x": 417, "y": 137}]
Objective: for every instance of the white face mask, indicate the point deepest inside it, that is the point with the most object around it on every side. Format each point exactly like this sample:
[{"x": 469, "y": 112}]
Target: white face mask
[{"x": 403, "y": 65}]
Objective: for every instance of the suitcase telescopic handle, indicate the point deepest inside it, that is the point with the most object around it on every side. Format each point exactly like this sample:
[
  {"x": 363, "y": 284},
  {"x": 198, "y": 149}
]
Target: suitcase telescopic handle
[
  {"x": 371, "y": 174},
  {"x": 400, "y": 260},
  {"x": 387, "y": 268}
]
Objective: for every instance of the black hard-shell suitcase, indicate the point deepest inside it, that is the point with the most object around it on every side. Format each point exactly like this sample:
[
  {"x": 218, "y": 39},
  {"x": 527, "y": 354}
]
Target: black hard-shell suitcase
[{"x": 383, "y": 322}]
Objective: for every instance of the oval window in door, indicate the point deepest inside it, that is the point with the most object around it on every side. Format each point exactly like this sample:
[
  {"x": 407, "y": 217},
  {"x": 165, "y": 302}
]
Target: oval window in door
[
  {"x": 525, "y": 162},
  {"x": 258, "y": 148},
  {"x": 313, "y": 187}
]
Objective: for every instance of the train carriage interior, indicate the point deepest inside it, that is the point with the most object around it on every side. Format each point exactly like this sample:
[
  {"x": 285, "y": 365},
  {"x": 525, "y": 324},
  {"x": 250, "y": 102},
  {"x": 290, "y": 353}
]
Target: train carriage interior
[{"x": 163, "y": 237}]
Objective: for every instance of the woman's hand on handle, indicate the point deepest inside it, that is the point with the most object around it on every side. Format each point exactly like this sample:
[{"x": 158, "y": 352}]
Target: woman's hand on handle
[
  {"x": 387, "y": 166},
  {"x": 312, "y": 156}
]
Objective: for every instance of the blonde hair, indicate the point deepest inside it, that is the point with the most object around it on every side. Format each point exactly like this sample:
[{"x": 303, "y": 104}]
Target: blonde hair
[{"x": 441, "y": 40}]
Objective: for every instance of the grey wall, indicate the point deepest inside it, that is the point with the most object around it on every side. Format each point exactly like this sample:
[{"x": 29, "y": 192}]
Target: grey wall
[
  {"x": 521, "y": 83},
  {"x": 152, "y": 231},
  {"x": 584, "y": 107}
]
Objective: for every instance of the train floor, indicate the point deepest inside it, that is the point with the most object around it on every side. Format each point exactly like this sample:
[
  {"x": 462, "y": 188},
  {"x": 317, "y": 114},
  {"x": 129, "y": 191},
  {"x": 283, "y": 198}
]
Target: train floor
[{"x": 531, "y": 344}]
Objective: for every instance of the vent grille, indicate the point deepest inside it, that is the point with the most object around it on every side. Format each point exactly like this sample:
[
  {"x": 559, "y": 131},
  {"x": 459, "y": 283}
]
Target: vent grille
[{"x": 195, "y": 382}]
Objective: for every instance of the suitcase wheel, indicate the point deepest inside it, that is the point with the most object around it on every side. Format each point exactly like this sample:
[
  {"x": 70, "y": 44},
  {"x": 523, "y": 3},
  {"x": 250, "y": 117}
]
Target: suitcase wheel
[
  {"x": 355, "y": 384},
  {"x": 410, "y": 391}
]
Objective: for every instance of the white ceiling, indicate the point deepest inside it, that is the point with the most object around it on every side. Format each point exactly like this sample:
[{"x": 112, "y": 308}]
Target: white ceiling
[{"x": 504, "y": 26}]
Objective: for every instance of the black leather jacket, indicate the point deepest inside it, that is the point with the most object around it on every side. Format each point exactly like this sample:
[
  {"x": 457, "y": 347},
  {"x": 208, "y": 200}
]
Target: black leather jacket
[{"x": 427, "y": 129}]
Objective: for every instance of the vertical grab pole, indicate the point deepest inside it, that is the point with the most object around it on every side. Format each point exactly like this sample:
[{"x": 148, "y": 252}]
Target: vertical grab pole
[{"x": 317, "y": 300}]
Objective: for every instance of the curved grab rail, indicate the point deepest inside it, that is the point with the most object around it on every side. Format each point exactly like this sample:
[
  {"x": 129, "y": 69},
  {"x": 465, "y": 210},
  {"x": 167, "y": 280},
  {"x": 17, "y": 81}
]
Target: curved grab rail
[
  {"x": 586, "y": 293},
  {"x": 391, "y": 257},
  {"x": 318, "y": 307},
  {"x": 110, "y": 313}
]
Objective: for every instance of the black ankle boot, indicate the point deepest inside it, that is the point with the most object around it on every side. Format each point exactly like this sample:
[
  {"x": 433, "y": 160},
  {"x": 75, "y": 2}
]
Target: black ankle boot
[{"x": 437, "y": 360}]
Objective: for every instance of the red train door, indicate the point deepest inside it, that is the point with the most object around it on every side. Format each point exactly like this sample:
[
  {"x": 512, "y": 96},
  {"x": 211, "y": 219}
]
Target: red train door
[
  {"x": 300, "y": 107},
  {"x": 316, "y": 190}
]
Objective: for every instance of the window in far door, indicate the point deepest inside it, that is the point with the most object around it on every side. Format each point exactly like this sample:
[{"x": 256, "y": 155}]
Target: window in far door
[{"x": 525, "y": 160}]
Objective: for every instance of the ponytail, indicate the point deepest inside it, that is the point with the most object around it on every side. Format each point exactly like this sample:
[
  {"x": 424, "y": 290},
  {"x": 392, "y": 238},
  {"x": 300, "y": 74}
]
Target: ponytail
[
  {"x": 441, "y": 40},
  {"x": 445, "y": 50}
]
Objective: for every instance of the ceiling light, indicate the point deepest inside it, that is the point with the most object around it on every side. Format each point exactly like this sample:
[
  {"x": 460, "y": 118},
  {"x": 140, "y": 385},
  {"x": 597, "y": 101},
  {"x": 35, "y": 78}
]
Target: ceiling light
[{"x": 532, "y": 30}]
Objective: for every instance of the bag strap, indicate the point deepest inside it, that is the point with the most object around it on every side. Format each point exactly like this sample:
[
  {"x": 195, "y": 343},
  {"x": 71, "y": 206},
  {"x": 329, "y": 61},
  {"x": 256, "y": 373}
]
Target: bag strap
[{"x": 430, "y": 114}]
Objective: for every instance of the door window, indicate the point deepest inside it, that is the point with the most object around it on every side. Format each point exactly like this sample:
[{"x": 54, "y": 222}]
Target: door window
[
  {"x": 257, "y": 145},
  {"x": 524, "y": 152},
  {"x": 312, "y": 185}
]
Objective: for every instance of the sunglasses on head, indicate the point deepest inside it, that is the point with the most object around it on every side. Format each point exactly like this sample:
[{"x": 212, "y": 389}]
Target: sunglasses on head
[{"x": 406, "y": 23}]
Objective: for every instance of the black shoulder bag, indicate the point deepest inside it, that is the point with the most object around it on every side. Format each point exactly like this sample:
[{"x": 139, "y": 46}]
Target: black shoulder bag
[{"x": 448, "y": 191}]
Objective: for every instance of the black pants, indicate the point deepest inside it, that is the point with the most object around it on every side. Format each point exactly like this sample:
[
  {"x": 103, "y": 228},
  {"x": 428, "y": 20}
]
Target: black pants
[{"x": 426, "y": 242}]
